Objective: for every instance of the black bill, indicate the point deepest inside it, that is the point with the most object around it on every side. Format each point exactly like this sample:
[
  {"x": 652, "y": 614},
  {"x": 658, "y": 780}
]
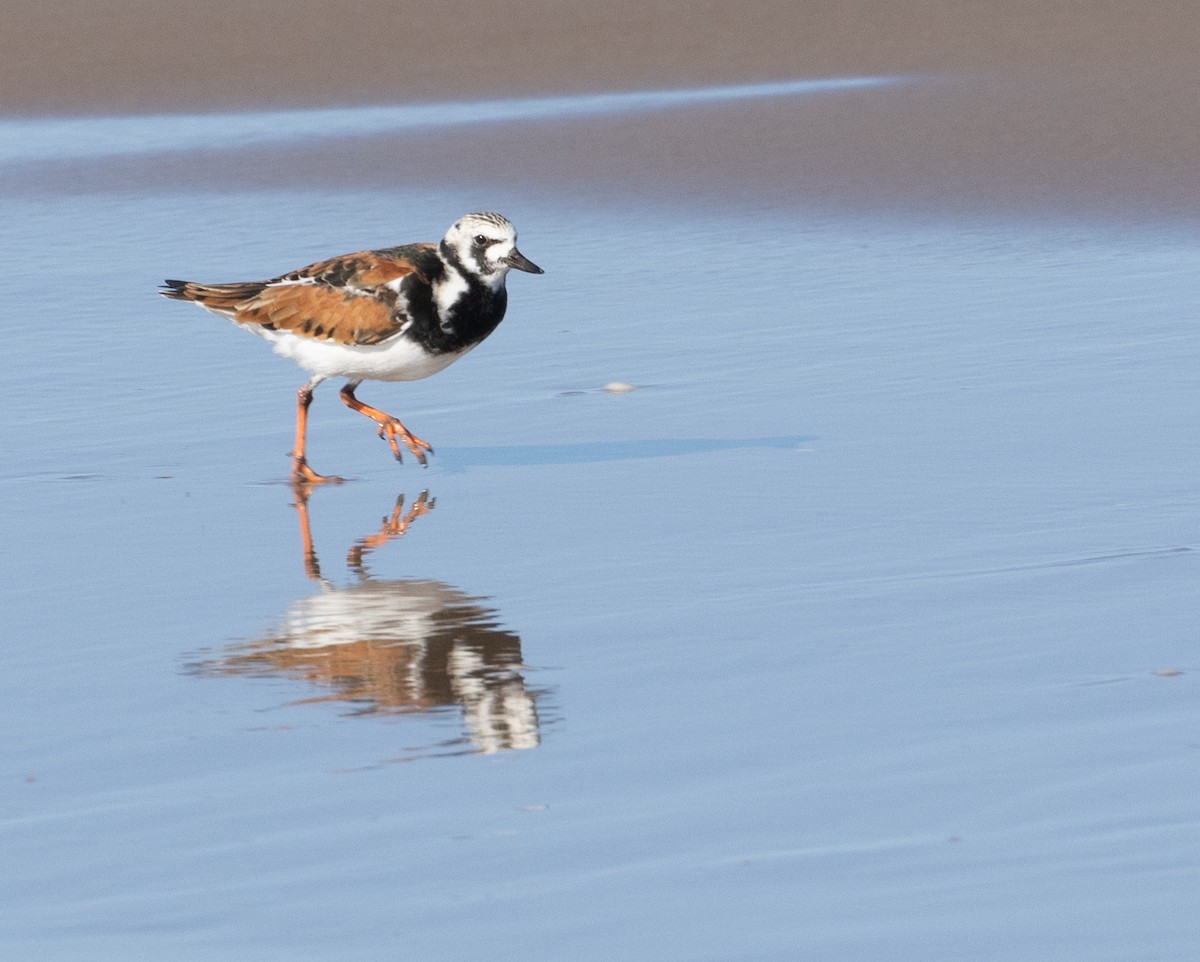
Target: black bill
[{"x": 522, "y": 263}]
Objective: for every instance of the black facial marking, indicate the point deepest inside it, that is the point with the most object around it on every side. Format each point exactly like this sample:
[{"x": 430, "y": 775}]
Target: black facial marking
[
  {"x": 477, "y": 255},
  {"x": 475, "y": 315}
]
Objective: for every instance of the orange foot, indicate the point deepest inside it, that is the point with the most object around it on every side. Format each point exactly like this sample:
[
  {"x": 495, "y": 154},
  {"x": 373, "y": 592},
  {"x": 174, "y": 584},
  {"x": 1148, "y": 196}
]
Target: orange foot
[
  {"x": 390, "y": 428},
  {"x": 303, "y": 475}
]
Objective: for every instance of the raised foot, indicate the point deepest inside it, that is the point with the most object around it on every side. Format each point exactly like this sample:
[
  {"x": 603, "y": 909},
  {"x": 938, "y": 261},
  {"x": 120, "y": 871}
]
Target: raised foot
[
  {"x": 303, "y": 475},
  {"x": 389, "y": 429}
]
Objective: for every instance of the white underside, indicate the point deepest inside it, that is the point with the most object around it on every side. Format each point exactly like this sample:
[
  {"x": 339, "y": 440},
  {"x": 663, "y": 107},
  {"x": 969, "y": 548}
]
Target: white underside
[{"x": 397, "y": 359}]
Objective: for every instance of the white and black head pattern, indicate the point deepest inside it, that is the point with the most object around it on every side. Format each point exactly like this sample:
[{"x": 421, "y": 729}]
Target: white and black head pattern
[{"x": 484, "y": 244}]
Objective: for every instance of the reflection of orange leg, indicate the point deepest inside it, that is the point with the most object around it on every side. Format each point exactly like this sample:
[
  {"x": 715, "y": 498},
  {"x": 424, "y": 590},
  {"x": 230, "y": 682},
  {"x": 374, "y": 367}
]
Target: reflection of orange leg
[
  {"x": 393, "y": 526},
  {"x": 389, "y": 426},
  {"x": 301, "y": 473},
  {"x": 311, "y": 567}
]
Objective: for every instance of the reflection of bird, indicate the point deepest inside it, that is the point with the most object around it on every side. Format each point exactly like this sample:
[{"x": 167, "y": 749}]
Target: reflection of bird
[
  {"x": 398, "y": 646},
  {"x": 397, "y": 314}
]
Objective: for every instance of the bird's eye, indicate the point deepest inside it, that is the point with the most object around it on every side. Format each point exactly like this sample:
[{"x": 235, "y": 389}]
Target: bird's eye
[{"x": 481, "y": 240}]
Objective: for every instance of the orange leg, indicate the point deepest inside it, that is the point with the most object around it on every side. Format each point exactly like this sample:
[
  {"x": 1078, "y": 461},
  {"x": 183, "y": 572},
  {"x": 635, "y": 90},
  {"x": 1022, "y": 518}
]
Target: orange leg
[
  {"x": 302, "y": 474},
  {"x": 389, "y": 426}
]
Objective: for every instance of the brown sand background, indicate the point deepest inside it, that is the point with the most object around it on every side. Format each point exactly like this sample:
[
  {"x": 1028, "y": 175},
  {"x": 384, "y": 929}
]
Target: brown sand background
[{"x": 1088, "y": 107}]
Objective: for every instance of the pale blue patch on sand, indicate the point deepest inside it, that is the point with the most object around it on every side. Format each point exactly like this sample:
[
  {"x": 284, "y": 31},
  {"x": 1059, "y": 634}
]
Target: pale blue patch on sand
[
  {"x": 40, "y": 139},
  {"x": 592, "y": 452}
]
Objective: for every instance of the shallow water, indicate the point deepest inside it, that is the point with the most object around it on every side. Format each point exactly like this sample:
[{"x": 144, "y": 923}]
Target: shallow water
[{"x": 863, "y": 628}]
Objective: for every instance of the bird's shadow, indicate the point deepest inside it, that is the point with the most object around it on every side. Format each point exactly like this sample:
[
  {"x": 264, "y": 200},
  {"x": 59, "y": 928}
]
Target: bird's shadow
[{"x": 592, "y": 452}]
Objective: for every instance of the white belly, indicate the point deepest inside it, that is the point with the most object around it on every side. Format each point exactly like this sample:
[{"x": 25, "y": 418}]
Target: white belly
[{"x": 398, "y": 359}]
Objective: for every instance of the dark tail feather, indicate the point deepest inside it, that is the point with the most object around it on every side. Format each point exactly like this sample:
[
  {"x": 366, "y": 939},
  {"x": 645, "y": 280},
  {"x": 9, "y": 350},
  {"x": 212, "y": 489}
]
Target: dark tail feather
[
  {"x": 216, "y": 297},
  {"x": 176, "y": 290}
]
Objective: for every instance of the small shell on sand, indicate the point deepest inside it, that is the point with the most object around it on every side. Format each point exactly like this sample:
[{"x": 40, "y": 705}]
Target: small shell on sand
[{"x": 619, "y": 387}]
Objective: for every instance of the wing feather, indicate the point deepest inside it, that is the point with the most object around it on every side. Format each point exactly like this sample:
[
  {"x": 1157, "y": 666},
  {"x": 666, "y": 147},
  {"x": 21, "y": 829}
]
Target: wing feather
[
  {"x": 324, "y": 313},
  {"x": 350, "y": 299}
]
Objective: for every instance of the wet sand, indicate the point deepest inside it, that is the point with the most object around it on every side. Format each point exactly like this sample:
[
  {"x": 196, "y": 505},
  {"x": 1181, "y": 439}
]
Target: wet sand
[
  {"x": 863, "y": 628},
  {"x": 865, "y": 631},
  {"x": 1028, "y": 108}
]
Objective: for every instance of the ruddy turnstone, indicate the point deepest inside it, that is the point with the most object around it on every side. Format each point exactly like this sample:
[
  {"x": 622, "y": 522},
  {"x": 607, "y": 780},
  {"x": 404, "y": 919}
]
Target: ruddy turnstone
[{"x": 396, "y": 314}]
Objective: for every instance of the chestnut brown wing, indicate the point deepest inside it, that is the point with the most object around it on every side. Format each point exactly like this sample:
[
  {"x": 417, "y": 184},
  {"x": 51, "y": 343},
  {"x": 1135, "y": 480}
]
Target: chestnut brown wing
[{"x": 351, "y": 299}]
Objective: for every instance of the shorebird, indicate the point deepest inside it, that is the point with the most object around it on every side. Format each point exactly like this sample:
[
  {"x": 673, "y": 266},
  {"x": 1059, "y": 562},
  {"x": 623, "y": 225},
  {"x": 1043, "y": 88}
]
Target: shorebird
[{"x": 395, "y": 314}]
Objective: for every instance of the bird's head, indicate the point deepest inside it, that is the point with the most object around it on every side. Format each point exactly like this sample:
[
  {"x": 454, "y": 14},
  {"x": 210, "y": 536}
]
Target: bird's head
[{"x": 485, "y": 244}]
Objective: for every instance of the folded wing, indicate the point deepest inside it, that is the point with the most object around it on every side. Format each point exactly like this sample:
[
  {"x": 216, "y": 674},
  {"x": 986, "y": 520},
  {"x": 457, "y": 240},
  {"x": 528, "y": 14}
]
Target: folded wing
[{"x": 351, "y": 299}]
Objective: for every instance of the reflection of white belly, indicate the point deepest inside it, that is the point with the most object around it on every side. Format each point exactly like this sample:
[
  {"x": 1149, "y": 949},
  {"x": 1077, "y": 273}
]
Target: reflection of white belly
[
  {"x": 400, "y": 612},
  {"x": 395, "y": 622},
  {"x": 397, "y": 359}
]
